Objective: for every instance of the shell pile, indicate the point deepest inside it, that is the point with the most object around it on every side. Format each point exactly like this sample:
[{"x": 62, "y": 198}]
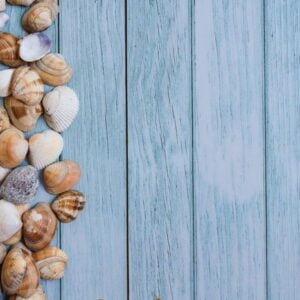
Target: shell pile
[{"x": 27, "y": 227}]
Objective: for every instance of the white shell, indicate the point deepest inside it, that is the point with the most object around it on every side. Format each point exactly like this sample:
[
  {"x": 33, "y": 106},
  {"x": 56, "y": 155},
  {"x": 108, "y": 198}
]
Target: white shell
[
  {"x": 10, "y": 221},
  {"x": 3, "y": 19},
  {"x": 60, "y": 108},
  {"x": 45, "y": 148},
  {"x": 34, "y": 46},
  {"x": 3, "y": 173},
  {"x": 5, "y": 79}
]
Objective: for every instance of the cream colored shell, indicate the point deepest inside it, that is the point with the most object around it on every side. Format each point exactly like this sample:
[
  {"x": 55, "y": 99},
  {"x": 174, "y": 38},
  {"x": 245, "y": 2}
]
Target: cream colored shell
[
  {"x": 5, "y": 80},
  {"x": 4, "y": 119}
]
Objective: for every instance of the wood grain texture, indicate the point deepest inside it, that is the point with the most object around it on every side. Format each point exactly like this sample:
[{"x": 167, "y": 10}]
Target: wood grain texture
[
  {"x": 229, "y": 150},
  {"x": 159, "y": 149}
]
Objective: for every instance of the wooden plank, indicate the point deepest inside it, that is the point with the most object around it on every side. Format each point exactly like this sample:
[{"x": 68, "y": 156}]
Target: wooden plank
[
  {"x": 283, "y": 144},
  {"x": 229, "y": 150},
  {"x": 159, "y": 149},
  {"x": 92, "y": 39}
]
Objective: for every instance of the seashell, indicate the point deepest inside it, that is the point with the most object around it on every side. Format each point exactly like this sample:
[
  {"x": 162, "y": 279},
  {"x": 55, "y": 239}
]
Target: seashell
[
  {"x": 34, "y": 46},
  {"x": 23, "y": 116},
  {"x": 20, "y": 186},
  {"x": 53, "y": 69},
  {"x": 68, "y": 205},
  {"x": 3, "y": 173},
  {"x": 51, "y": 262},
  {"x": 61, "y": 176},
  {"x": 2, "y": 5},
  {"x": 20, "y": 2},
  {"x": 5, "y": 80},
  {"x": 9, "y": 50},
  {"x": 39, "y": 225},
  {"x": 40, "y": 16},
  {"x": 4, "y": 119},
  {"x": 10, "y": 221},
  {"x": 45, "y": 148},
  {"x": 3, "y": 19},
  {"x": 13, "y": 148},
  {"x": 39, "y": 294},
  {"x": 27, "y": 86},
  {"x": 61, "y": 107},
  {"x": 2, "y": 253},
  {"x": 19, "y": 275}
]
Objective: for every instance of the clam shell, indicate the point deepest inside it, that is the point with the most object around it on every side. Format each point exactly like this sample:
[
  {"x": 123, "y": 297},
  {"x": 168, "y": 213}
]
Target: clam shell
[
  {"x": 39, "y": 225},
  {"x": 20, "y": 2},
  {"x": 68, "y": 205},
  {"x": 45, "y": 148},
  {"x": 51, "y": 262},
  {"x": 53, "y": 69},
  {"x": 27, "y": 86},
  {"x": 9, "y": 50},
  {"x": 5, "y": 80},
  {"x": 23, "y": 116},
  {"x": 60, "y": 107},
  {"x": 20, "y": 186},
  {"x": 39, "y": 294},
  {"x": 61, "y": 176},
  {"x": 2, "y": 253},
  {"x": 4, "y": 119},
  {"x": 13, "y": 148}
]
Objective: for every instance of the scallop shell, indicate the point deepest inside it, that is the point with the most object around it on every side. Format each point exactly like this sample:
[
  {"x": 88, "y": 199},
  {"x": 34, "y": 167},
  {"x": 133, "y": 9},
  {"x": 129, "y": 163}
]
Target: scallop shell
[
  {"x": 51, "y": 262},
  {"x": 21, "y": 2},
  {"x": 61, "y": 107},
  {"x": 61, "y": 176},
  {"x": 9, "y": 50},
  {"x": 39, "y": 225},
  {"x": 53, "y": 69},
  {"x": 23, "y": 116},
  {"x": 5, "y": 80},
  {"x": 45, "y": 148},
  {"x": 68, "y": 205},
  {"x": 40, "y": 16},
  {"x": 2, "y": 253},
  {"x": 4, "y": 119},
  {"x": 39, "y": 294},
  {"x": 13, "y": 148},
  {"x": 27, "y": 86}
]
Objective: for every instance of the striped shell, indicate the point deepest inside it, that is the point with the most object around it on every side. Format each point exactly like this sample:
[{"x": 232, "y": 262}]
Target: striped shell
[
  {"x": 9, "y": 50},
  {"x": 4, "y": 119},
  {"x": 68, "y": 205},
  {"x": 60, "y": 107},
  {"x": 5, "y": 80},
  {"x": 20, "y": 2}
]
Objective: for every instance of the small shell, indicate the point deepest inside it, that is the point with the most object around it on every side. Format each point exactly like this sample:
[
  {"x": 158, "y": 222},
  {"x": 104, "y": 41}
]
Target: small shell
[
  {"x": 27, "y": 86},
  {"x": 9, "y": 50},
  {"x": 45, "y": 148},
  {"x": 68, "y": 205},
  {"x": 40, "y": 16},
  {"x": 3, "y": 19},
  {"x": 61, "y": 107},
  {"x": 39, "y": 225},
  {"x": 53, "y": 69},
  {"x": 61, "y": 176},
  {"x": 13, "y": 148},
  {"x": 2, "y": 253},
  {"x": 23, "y": 116},
  {"x": 20, "y": 186},
  {"x": 51, "y": 262},
  {"x": 21, "y": 2},
  {"x": 5, "y": 80},
  {"x": 4, "y": 119}
]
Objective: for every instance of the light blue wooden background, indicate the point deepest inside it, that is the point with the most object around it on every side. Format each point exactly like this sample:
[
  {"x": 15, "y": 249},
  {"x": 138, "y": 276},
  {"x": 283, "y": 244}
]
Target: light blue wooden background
[{"x": 189, "y": 138}]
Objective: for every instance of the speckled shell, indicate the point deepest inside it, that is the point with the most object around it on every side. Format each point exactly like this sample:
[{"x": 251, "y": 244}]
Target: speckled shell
[
  {"x": 21, "y": 2},
  {"x": 9, "y": 50},
  {"x": 13, "y": 148},
  {"x": 53, "y": 69},
  {"x": 51, "y": 262},
  {"x": 23, "y": 116},
  {"x": 60, "y": 107},
  {"x": 39, "y": 294},
  {"x": 4, "y": 119},
  {"x": 61, "y": 176},
  {"x": 68, "y": 205},
  {"x": 2, "y": 253},
  {"x": 45, "y": 148},
  {"x": 5, "y": 81},
  {"x": 20, "y": 186},
  {"x": 39, "y": 225},
  {"x": 27, "y": 86}
]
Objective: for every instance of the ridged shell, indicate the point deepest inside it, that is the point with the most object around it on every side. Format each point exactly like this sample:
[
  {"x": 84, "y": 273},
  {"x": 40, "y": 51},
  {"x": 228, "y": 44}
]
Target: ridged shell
[
  {"x": 68, "y": 205},
  {"x": 4, "y": 119},
  {"x": 2, "y": 253},
  {"x": 39, "y": 225},
  {"x": 60, "y": 107},
  {"x": 13, "y": 148},
  {"x": 21, "y": 2},
  {"x": 27, "y": 86},
  {"x": 9, "y": 50},
  {"x": 39, "y": 294},
  {"x": 45, "y": 148},
  {"x": 51, "y": 262},
  {"x": 61, "y": 176},
  {"x": 53, "y": 69},
  {"x": 23, "y": 116},
  {"x": 5, "y": 80}
]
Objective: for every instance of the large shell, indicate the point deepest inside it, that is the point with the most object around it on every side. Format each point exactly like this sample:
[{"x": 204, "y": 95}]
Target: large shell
[
  {"x": 23, "y": 116},
  {"x": 39, "y": 294},
  {"x": 20, "y": 185},
  {"x": 53, "y": 69},
  {"x": 40, "y": 16},
  {"x": 45, "y": 148},
  {"x": 21, "y": 2},
  {"x": 39, "y": 225},
  {"x": 5, "y": 80},
  {"x": 68, "y": 205},
  {"x": 9, "y": 50},
  {"x": 51, "y": 262},
  {"x": 2, "y": 253},
  {"x": 27, "y": 86},
  {"x": 4, "y": 119},
  {"x": 61, "y": 176},
  {"x": 13, "y": 148},
  {"x": 61, "y": 107}
]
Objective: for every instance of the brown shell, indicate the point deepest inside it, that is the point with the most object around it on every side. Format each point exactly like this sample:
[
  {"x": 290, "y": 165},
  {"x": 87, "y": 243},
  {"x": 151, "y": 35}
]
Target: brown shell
[
  {"x": 9, "y": 50},
  {"x": 68, "y": 205},
  {"x": 39, "y": 294},
  {"x": 39, "y": 225},
  {"x": 4, "y": 119}
]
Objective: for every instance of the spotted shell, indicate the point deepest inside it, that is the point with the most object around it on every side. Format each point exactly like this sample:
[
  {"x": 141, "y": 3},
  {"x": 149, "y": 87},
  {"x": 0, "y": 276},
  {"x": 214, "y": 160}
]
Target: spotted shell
[
  {"x": 4, "y": 119},
  {"x": 9, "y": 50},
  {"x": 20, "y": 2}
]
